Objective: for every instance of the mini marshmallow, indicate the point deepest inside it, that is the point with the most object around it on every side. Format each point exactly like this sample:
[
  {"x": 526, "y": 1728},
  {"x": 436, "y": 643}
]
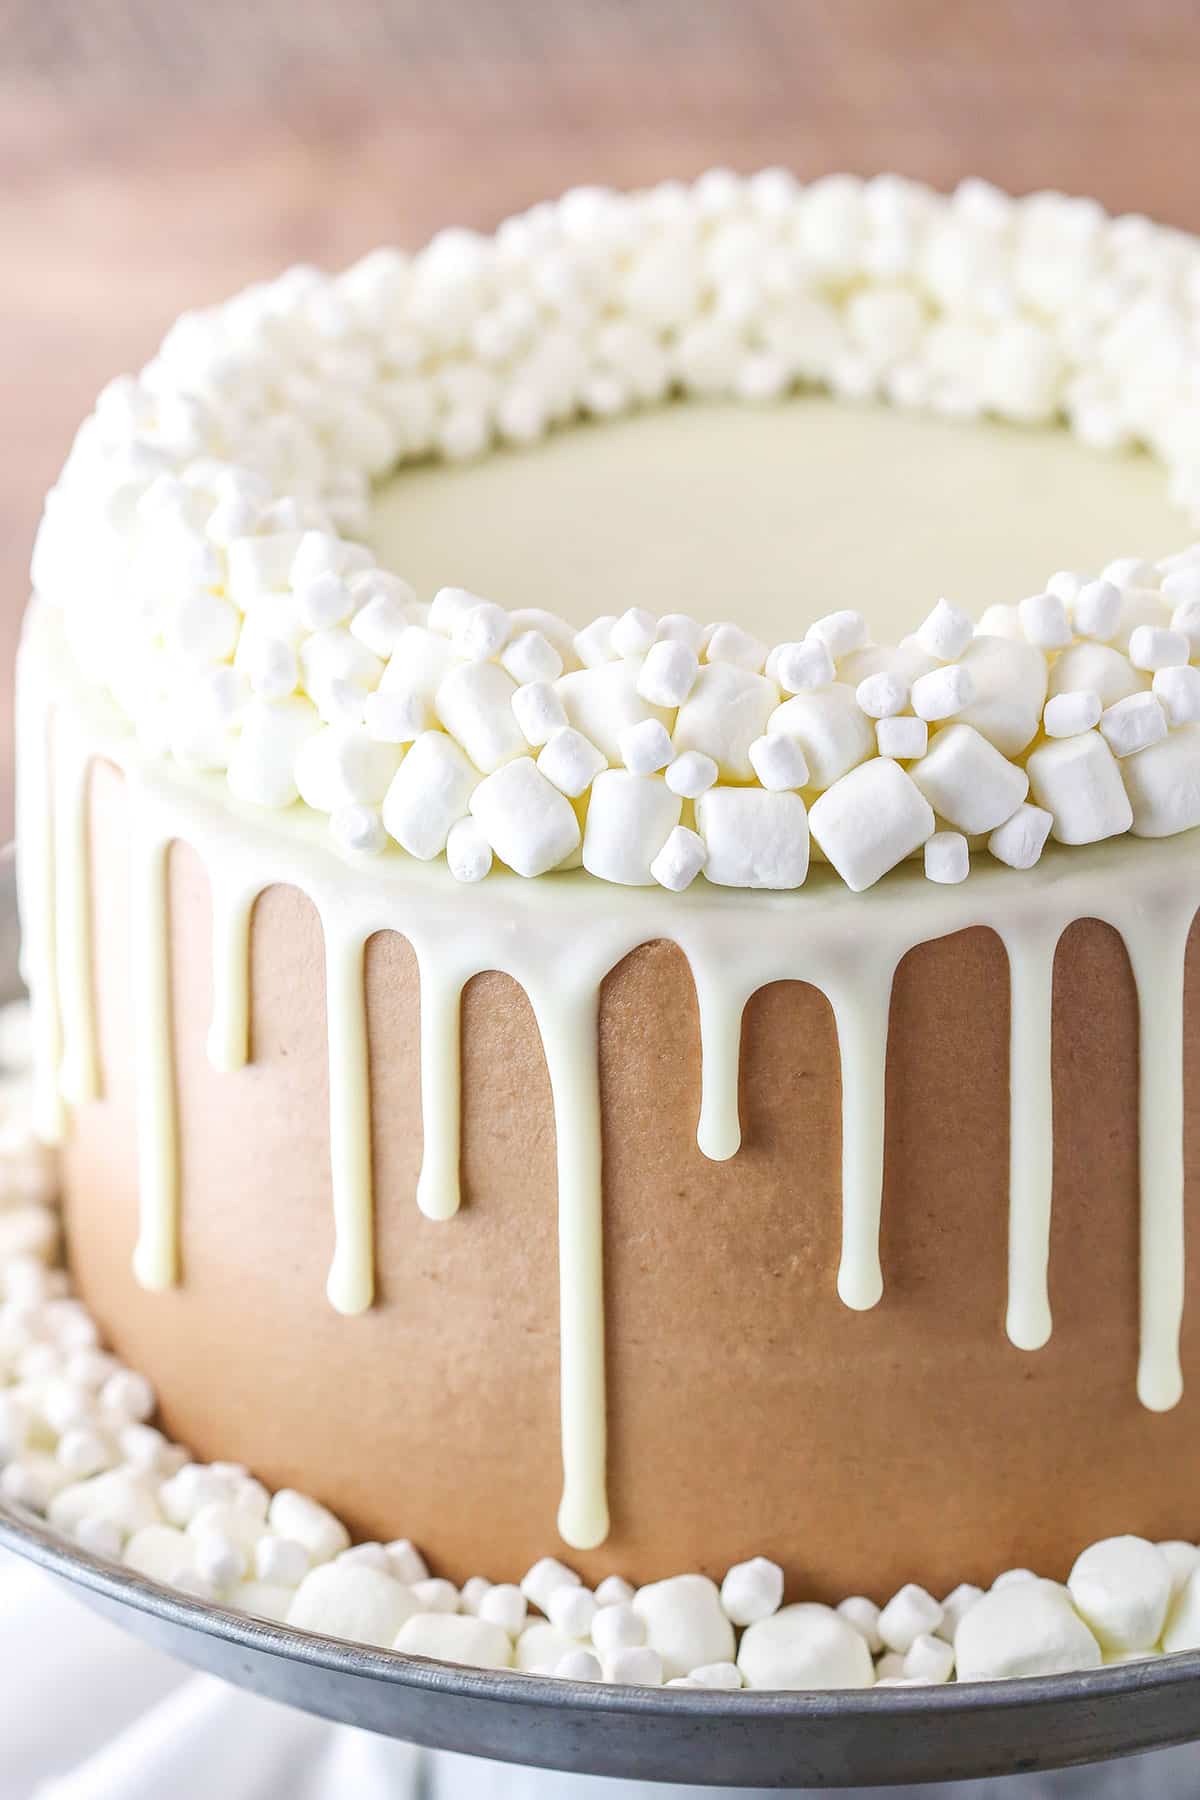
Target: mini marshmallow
[
  {"x": 470, "y": 1598},
  {"x": 416, "y": 669},
  {"x": 617, "y": 1628},
  {"x": 830, "y": 729},
  {"x": 863, "y": 1615},
  {"x": 603, "y": 702},
  {"x": 344, "y": 766},
  {"x": 578, "y": 1665},
  {"x": 1027, "y": 1629},
  {"x": 100, "y": 1537},
  {"x": 646, "y": 747},
  {"x": 943, "y": 692},
  {"x": 947, "y": 858},
  {"x": 295, "y": 1515},
  {"x": 753, "y": 838},
  {"x": 635, "y": 1666},
  {"x": 805, "y": 1646},
  {"x": 594, "y": 646},
  {"x": 543, "y": 1578},
  {"x": 262, "y": 765},
  {"x": 1133, "y": 724},
  {"x": 379, "y": 624},
  {"x": 449, "y": 605},
  {"x": 395, "y": 718},
  {"x": 324, "y": 600},
  {"x": 752, "y": 1590},
  {"x": 668, "y": 673},
  {"x": 1186, "y": 618},
  {"x": 358, "y": 829},
  {"x": 730, "y": 644},
  {"x": 1183, "y": 1621},
  {"x": 280, "y": 1561},
  {"x": 614, "y": 1590},
  {"x": 684, "y": 1623},
  {"x": 726, "y": 710},
  {"x": 909, "y": 1613},
  {"x": 680, "y": 860},
  {"x": 1097, "y": 611},
  {"x": 840, "y": 632},
  {"x": 882, "y": 696},
  {"x": 779, "y": 762},
  {"x": 1098, "y": 669},
  {"x": 800, "y": 668},
  {"x": 929, "y": 1659},
  {"x": 1044, "y": 621},
  {"x": 692, "y": 774},
  {"x": 125, "y": 1499},
  {"x": 1131, "y": 572},
  {"x": 1178, "y": 693},
  {"x": 681, "y": 628},
  {"x": 1153, "y": 647},
  {"x": 957, "y": 1603},
  {"x": 434, "y": 1595},
  {"x": 539, "y": 1648},
  {"x": 480, "y": 631},
  {"x": 1139, "y": 606},
  {"x": 405, "y": 1561},
  {"x": 724, "y": 1676},
  {"x": 1163, "y": 784},
  {"x": 453, "y": 1637},
  {"x": 634, "y": 632},
  {"x": 429, "y": 792},
  {"x": 217, "y": 1558},
  {"x": 869, "y": 821},
  {"x": 531, "y": 657},
  {"x": 526, "y": 820},
  {"x": 902, "y": 739},
  {"x": 157, "y": 1551},
  {"x": 629, "y": 819},
  {"x": 468, "y": 853},
  {"x": 967, "y": 781},
  {"x": 571, "y": 761},
  {"x": 474, "y": 704},
  {"x": 1120, "y": 1588},
  {"x": 945, "y": 634},
  {"x": 1010, "y": 691},
  {"x": 1019, "y": 842},
  {"x": 572, "y": 1609},
  {"x": 503, "y": 1605},
  {"x": 1181, "y": 1559},
  {"x": 1078, "y": 781},
  {"x": 1070, "y": 713},
  {"x": 351, "y": 1600}
]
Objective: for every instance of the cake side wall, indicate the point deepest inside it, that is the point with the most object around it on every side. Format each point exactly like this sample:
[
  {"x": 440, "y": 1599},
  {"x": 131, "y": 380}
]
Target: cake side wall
[{"x": 748, "y": 1409}]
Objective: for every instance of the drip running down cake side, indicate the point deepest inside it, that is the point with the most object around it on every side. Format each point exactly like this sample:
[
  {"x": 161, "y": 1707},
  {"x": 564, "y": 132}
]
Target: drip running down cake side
[{"x": 524, "y": 1028}]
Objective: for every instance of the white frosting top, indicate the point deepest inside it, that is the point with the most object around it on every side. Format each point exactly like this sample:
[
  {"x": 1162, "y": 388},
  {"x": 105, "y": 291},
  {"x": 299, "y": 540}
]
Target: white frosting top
[{"x": 201, "y": 542}]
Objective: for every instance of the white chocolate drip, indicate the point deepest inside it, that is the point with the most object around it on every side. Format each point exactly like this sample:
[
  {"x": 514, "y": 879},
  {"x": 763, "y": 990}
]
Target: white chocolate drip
[
  {"x": 559, "y": 944},
  {"x": 1030, "y": 1134},
  {"x": 156, "y": 1255},
  {"x": 78, "y": 1076}
]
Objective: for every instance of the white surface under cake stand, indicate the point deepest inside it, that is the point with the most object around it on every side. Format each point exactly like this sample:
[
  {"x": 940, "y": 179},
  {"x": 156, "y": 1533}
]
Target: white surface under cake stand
[{"x": 89, "y": 1713}]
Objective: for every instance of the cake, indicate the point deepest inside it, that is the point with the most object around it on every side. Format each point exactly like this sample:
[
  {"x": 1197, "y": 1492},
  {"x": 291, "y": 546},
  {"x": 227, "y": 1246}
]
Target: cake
[{"x": 550, "y": 1073}]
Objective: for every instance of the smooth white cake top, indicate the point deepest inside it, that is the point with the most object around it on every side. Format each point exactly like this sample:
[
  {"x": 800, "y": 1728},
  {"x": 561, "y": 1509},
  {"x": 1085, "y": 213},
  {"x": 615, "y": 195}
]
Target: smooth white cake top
[{"x": 201, "y": 541}]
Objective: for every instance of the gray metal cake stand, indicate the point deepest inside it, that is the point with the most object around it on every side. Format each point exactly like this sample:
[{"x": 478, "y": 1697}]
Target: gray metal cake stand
[{"x": 763, "y": 1740}]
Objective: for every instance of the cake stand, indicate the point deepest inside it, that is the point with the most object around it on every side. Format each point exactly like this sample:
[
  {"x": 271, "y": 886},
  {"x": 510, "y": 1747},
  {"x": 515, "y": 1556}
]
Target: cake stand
[{"x": 764, "y": 1740}]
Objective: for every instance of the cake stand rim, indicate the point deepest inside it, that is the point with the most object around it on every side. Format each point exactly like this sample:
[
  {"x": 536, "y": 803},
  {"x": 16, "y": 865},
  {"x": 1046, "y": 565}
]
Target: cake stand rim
[{"x": 492, "y": 1712}]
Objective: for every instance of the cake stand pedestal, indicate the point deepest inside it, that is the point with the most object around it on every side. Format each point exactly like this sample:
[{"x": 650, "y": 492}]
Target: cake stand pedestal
[{"x": 742, "y": 1740}]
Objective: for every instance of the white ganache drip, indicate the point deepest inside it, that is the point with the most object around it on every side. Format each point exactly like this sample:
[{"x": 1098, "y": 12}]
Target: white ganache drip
[
  {"x": 201, "y": 543},
  {"x": 559, "y": 939}
]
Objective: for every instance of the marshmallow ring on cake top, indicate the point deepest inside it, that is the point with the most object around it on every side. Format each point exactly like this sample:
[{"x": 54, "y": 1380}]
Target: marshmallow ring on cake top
[{"x": 201, "y": 542}]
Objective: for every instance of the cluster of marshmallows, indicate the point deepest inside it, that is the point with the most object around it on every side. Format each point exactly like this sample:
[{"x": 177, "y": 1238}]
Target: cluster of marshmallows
[
  {"x": 77, "y": 1444},
  {"x": 201, "y": 541}
]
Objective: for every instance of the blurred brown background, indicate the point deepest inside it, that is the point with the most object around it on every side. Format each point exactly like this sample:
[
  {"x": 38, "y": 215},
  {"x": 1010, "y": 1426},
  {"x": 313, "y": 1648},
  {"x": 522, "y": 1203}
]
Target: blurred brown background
[{"x": 156, "y": 154}]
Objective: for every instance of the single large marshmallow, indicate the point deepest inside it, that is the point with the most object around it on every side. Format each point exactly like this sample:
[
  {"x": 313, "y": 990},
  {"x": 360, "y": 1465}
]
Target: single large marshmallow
[
  {"x": 831, "y": 729},
  {"x": 1010, "y": 689},
  {"x": 629, "y": 819},
  {"x": 805, "y": 1646},
  {"x": 603, "y": 702},
  {"x": 474, "y": 703},
  {"x": 298, "y": 1516},
  {"x": 1078, "y": 780},
  {"x": 967, "y": 780},
  {"x": 262, "y": 764},
  {"x": 419, "y": 664},
  {"x": 351, "y": 1600},
  {"x": 1183, "y": 1620},
  {"x": 1096, "y": 669},
  {"x": 869, "y": 821},
  {"x": 1163, "y": 784},
  {"x": 527, "y": 822},
  {"x": 1023, "y": 1628},
  {"x": 1121, "y": 1588},
  {"x": 454, "y": 1637},
  {"x": 429, "y": 793},
  {"x": 753, "y": 838},
  {"x": 342, "y": 765},
  {"x": 727, "y": 709},
  {"x": 684, "y": 1623}
]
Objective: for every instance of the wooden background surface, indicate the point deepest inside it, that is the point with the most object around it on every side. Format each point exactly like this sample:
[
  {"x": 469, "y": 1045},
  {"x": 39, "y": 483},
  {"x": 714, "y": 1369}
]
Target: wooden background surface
[{"x": 159, "y": 153}]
